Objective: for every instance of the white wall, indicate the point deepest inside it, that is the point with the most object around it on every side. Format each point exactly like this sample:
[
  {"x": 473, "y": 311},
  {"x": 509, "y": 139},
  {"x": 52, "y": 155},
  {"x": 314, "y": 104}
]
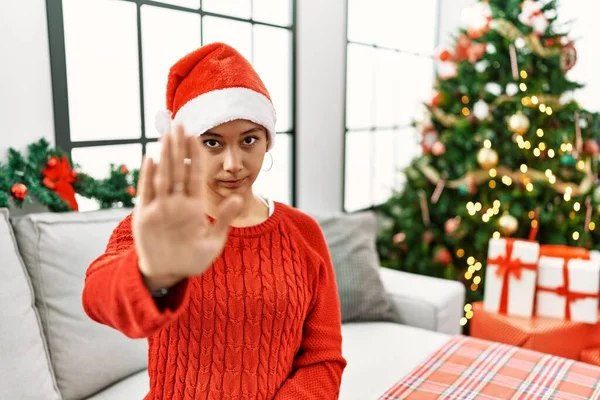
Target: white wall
[
  {"x": 26, "y": 108},
  {"x": 321, "y": 60}
]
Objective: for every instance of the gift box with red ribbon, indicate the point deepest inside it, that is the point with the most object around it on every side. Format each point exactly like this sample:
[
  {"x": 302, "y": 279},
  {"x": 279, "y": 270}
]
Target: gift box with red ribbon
[
  {"x": 547, "y": 335},
  {"x": 511, "y": 275},
  {"x": 568, "y": 284}
]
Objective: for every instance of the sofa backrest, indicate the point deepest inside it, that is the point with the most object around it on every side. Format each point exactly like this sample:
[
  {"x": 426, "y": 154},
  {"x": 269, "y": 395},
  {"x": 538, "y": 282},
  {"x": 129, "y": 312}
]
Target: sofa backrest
[
  {"x": 25, "y": 371},
  {"x": 57, "y": 249}
]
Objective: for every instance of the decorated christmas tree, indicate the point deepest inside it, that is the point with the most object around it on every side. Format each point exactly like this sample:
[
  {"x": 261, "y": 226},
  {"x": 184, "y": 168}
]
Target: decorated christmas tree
[{"x": 507, "y": 152}]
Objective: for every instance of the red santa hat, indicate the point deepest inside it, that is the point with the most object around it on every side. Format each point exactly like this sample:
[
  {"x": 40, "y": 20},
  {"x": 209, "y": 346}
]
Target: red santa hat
[{"x": 213, "y": 85}]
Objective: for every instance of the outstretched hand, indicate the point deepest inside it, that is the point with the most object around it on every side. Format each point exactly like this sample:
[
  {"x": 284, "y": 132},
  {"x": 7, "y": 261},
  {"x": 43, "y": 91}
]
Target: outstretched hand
[{"x": 172, "y": 235}]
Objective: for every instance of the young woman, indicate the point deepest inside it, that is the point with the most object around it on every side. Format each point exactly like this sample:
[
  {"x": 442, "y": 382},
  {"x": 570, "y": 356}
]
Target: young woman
[{"x": 236, "y": 294}]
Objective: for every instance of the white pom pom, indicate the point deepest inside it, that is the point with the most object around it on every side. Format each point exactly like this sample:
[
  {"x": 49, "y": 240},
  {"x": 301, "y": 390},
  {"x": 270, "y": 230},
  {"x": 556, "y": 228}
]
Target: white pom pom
[
  {"x": 512, "y": 89},
  {"x": 162, "y": 122},
  {"x": 481, "y": 110},
  {"x": 494, "y": 88}
]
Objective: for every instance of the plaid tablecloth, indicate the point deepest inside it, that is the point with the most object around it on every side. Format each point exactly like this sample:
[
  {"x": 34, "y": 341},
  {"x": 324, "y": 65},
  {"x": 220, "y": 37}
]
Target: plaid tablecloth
[{"x": 469, "y": 368}]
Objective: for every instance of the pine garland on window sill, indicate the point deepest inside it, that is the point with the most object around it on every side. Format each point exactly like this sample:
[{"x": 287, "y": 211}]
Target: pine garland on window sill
[{"x": 48, "y": 177}]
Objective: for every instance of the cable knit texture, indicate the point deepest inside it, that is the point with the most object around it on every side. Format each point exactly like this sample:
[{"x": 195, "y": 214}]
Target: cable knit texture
[{"x": 263, "y": 322}]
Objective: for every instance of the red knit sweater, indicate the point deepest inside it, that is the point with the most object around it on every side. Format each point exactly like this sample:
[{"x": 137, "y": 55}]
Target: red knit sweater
[{"x": 263, "y": 322}]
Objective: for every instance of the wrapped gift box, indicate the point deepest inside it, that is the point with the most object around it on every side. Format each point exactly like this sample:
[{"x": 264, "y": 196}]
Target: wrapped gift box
[
  {"x": 568, "y": 284},
  {"x": 547, "y": 335},
  {"x": 510, "y": 278},
  {"x": 590, "y": 356}
]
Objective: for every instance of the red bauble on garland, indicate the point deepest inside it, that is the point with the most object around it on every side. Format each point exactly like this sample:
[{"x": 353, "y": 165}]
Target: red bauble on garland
[
  {"x": 131, "y": 191},
  {"x": 59, "y": 177},
  {"x": 19, "y": 191}
]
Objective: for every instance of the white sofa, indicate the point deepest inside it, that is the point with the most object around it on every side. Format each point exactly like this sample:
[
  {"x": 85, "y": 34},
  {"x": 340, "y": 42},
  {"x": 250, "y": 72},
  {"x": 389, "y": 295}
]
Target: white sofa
[{"x": 49, "y": 349}]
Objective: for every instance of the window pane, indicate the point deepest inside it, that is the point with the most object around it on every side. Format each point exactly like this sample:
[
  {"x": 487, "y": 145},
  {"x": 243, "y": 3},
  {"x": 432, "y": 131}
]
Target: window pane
[
  {"x": 362, "y": 21},
  {"x": 161, "y": 48},
  {"x": 102, "y": 69},
  {"x": 384, "y": 166},
  {"x": 406, "y": 149},
  {"x": 359, "y": 170},
  {"x": 273, "y": 62},
  {"x": 415, "y": 85},
  {"x": 277, "y": 182},
  {"x": 359, "y": 86},
  {"x": 153, "y": 150},
  {"x": 387, "y": 88},
  {"x": 236, "y": 8},
  {"x": 585, "y": 29},
  {"x": 396, "y": 28},
  {"x": 95, "y": 161},
  {"x": 277, "y": 12},
  {"x": 236, "y": 34},
  {"x": 194, "y": 4}
]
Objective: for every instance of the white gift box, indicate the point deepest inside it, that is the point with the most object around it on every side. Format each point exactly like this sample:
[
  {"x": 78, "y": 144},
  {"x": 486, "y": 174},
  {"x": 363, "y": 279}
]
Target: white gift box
[
  {"x": 503, "y": 269},
  {"x": 581, "y": 294}
]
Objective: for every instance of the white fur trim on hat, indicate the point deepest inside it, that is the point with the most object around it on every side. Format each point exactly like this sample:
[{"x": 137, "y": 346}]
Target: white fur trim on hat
[
  {"x": 220, "y": 106},
  {"x": 162, "y": 122}
]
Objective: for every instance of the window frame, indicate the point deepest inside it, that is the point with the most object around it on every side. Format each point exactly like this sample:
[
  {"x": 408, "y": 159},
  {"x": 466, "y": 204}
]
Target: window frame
[
  {"x": 58, "y": 67},
  {"x": 374, "y": 129}
]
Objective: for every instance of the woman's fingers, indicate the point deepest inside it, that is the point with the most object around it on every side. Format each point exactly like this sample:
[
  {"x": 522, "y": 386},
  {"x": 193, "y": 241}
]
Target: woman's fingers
[
  {"x": 178, "y": 151},
  {"x": 145, "y": 182},
  {"x": 195, "y": 181},
  {"x": 228, "y": 210},
  {"x": 162, "y": 177}
]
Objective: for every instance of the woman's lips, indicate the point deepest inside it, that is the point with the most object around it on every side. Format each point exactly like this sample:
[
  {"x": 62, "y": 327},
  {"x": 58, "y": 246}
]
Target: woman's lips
[{"x": 233, "y": 184}]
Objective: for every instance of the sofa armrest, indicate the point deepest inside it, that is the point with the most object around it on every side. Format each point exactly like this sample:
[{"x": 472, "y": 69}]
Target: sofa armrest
[{"x": 425, "y": 302}]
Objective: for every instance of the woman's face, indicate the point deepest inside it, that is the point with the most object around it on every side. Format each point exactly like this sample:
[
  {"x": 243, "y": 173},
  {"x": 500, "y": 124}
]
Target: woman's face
[{"x": 232, "y": 156}]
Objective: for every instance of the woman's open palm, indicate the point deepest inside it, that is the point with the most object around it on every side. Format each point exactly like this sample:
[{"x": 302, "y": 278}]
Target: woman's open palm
[{"x": 172, "y": 235}]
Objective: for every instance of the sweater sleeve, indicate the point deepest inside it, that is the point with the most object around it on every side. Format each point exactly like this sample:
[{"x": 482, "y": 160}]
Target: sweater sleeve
[
  {"x": 318, "y": 365},
  {"x": 114, "y": 292}
]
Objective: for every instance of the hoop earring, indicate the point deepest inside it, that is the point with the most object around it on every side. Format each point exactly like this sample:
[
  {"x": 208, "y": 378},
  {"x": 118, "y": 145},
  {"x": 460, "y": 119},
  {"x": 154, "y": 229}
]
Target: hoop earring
[{"x": 271, "y": 166}]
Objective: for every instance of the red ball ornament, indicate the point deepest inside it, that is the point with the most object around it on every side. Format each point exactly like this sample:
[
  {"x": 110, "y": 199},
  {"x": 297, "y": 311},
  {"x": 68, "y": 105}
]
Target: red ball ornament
[
  {"x": 19, "y": 191},
  {"x": 131, "y": 191},
  {"x": 568, "y": 57},
  {"x": 124, "y": 170},
  {"x": 437, "y": 100},
  {"x": 442, "y": 256},
  {"x": 591, "y": 147},
  {"x": 438, "y": 149},
  {"x": 428, "y": 236},
  {"x": 53, "y": 161},
  {"x": 445, "y": 55},
  {"x": 451, "y": 226},
  {"x": 430, "y": 137}
]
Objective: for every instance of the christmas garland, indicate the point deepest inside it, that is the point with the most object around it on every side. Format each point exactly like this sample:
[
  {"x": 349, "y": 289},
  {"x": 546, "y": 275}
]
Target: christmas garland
[
  {"x": 510, "y": 32},
  {"x": 480, "y": 176},
  {"x": 48, "y": 177}
]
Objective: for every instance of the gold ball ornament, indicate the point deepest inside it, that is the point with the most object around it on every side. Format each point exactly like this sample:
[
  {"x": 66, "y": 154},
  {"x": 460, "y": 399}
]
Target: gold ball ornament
[
  {"x": 519, "y": 123},
  {"x": 487, "y": 158},
  {"x": 508, "y": 224}
]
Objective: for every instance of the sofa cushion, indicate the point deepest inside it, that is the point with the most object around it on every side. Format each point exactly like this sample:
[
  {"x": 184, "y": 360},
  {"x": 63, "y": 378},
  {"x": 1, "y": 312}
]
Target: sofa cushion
[
  {"x": 57, "y": 249},
  {"x": 351, "y": 240},
  {"x": 379, "y": 354},
  {"x": 132, "y": 387},
  {"x": 24, "y": 365}
]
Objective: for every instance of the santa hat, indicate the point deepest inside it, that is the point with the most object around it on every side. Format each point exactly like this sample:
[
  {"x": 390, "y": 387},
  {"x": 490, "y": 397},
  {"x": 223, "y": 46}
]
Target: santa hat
[{"x": 213, "y": 85}]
